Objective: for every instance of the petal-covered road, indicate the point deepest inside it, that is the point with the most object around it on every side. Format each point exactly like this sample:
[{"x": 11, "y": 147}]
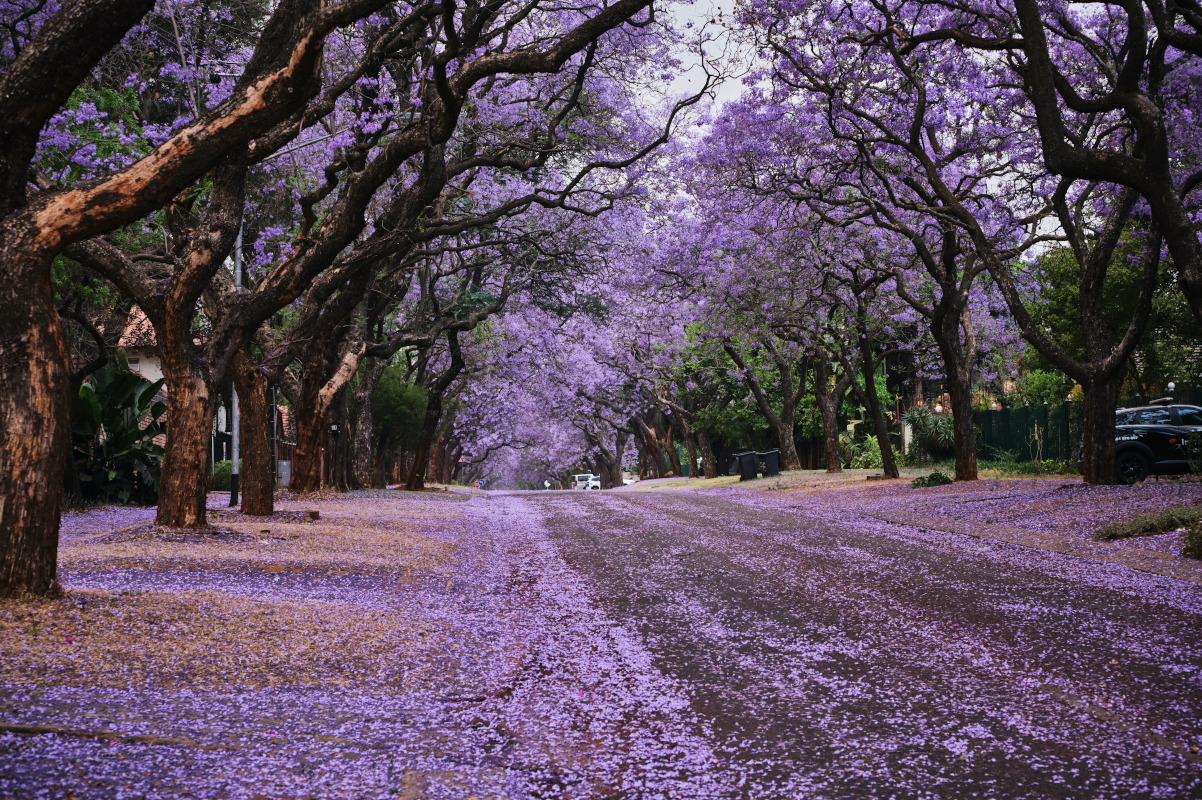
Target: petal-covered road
[
  {"x": 597, "y": 645},
  {"x": 866, "y": 660}
]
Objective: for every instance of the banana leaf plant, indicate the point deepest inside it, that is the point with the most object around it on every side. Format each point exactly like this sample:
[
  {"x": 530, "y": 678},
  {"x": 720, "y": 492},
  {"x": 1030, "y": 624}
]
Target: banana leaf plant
[{"x": 114, "y": 422}]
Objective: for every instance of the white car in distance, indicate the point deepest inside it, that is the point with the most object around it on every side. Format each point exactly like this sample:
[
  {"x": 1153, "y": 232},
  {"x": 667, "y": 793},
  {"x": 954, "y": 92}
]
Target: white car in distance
[
  {"x": 582, "y": 481},
  {"x": 594, "y": 483}
]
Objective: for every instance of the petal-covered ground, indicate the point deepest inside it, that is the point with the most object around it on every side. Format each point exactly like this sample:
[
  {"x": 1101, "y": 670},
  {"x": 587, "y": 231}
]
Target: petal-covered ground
[{"x": 733, "y": 642}]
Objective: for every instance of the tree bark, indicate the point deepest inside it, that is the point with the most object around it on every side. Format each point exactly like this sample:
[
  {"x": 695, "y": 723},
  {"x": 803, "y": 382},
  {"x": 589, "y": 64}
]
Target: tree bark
[
  {"x": 666, "y": 432},
  {"x": 959, "y": 385},
  {"x": 690, "y": 449},
  {"x": 709, "y": 464},
  {"x": 827, "y": 406},
  {"x": 336, "y": 461},
  {"x": 257, "y": 482},
  {"x": 35, "y": 413},
  {"x": 872, "y": 402},
  {"x": 362, "y": 463},
  {"x": 651, "y": 446},
  {"x": 191, "y": 404},
  {"x": 306, "y": 460},
  {"x": 435, "y": 393},
  {"x": 958, "y": 358}
]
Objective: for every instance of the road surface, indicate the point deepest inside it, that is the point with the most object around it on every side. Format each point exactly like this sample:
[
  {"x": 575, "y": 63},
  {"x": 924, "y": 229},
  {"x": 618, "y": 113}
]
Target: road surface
[{"x": 662, "y": 644}]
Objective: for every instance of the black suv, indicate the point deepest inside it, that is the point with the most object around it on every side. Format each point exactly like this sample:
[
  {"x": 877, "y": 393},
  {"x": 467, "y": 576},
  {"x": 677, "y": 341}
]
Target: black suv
[{"x": 1150, "y": 440}]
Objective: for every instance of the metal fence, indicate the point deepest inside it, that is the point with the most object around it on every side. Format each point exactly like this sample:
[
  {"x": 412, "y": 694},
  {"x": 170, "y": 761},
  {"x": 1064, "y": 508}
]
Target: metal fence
[
  {"x": 1043, "y": 432},
  {"x": 1034, "y": 433}
]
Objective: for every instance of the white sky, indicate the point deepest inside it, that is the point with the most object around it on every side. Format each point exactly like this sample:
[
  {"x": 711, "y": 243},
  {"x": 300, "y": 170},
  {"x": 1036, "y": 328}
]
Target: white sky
[{"x": 700, "y": 12}]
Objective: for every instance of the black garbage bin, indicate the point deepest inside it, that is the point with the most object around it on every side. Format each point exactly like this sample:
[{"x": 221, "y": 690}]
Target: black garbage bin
[
  {"x": 748, "y": 468},
  {"x": 771, "y": 459}
]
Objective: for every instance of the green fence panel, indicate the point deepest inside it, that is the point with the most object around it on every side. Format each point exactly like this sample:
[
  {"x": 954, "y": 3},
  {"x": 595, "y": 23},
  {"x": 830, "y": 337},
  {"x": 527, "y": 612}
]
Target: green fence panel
[{"x": 1048, "y": 433}]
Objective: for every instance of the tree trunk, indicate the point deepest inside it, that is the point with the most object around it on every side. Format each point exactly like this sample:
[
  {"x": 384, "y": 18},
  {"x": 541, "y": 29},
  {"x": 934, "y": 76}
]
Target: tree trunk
[
  {"x": 872, "y": 403},
  {"x": 619, "y": 453},
  {"x": 361, "y": 456},
  {"x": 709, "y": 465},
  {"x": 1097, "y": 454},
  {"x": 788, "y": 448},
  {"x": 960, "y": 390},
  {"x": 191, "y": 404},
  {"x": 257, "y": 482},
  {"x": 421, "y": 458},
  {"x": 673, "y": 456},
  {"x": 957, "y": 366},
  {"x": 830, "y": 421},
  {"x": 306, "y": 460},
  {"x": 35, "y": 413},
  {"x": 652, "y": 448},
  {"x": 336, "y": 463},
  {"x": 690, "y": 450}
]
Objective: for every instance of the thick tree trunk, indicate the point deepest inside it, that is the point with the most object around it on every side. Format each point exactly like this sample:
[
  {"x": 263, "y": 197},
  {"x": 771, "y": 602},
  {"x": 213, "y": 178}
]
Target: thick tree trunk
[
  {"x": 709, "y": 465},
  {"x": 306, "y": 461},
  {"x": 191, "y": 404},
  {"x": 788, "y": 448},
  {"x": 35, "y": 413},
  {"x": 957, "y": 366},
  {"x": 873, "y": 404},
  {"x": 362, "y": 464},
  {"x": 257, "y": 482},
  {"x": 652, "y": 448},
  {"x": 1098, "y": 429},
  {"x": 690, "y": 450},
  {"x": 669, "y": 445},
  {"x": 960, "y": 389},
  {"x": 336, "y": 462},
  {"x": 421, "y": 458},
  {"x": 830, "y": 421}
]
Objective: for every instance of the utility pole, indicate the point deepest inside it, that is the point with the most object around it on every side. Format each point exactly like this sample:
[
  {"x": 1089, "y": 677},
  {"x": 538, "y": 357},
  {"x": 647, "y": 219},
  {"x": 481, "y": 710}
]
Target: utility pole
[{"x": 236, "y": 432}]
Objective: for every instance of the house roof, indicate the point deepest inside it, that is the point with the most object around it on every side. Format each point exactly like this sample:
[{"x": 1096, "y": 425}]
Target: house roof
[{"x": 138, "y": 331}]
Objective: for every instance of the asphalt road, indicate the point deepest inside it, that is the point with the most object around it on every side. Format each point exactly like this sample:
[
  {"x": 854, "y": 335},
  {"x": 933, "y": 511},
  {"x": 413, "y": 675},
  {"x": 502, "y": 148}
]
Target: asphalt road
[
  {"x": 627, "y": 645},
  {"x": 868, "y": 660}
]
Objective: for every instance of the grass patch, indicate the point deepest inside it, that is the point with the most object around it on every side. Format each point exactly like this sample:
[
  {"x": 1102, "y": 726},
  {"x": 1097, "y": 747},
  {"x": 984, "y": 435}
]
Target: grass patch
[
  {"x": 1193, "y": 542},
  {"x": 1170, "y": 519},
  {"x": 1029, "y": 467}
]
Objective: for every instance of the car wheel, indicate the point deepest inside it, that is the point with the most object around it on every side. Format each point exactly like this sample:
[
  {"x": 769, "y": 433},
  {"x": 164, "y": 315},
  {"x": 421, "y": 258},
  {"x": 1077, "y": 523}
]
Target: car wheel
[{"x": 1131, "y": 467}]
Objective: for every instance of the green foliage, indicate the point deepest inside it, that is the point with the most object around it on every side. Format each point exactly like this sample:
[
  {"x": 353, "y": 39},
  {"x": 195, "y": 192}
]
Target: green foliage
[
  {"x": 1012, "y": 467},
  {"x": 850, "y": 407},
  {"x": 1169, "y": 519},
  {"x": 223, "y": 475},
  {"x": 1045, "y": 386},
  {"x": 809, "y": 419},
  {"x": 865, "y": 454},
  {"x": 1167, "y": 355},
  {"x": 932, "y": 433},
  {"x": 118, "y": 461},
  {"x": 1193, "y": 541},
  {"x": 398, "y": 408},
  {"x": 936, "y": 478}
]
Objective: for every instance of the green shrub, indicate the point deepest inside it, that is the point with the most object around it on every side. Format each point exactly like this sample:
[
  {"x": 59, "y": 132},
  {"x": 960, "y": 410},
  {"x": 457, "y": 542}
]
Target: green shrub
[
  {"x": 223, "y": 475},
  {"x": 1193, "y": 541},
  {"x": 865, "y": 454},
  {"x": 936, "y": 478},
  {"x": 116, "y": 458},
  {"x": 1170, "y": 519}
]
